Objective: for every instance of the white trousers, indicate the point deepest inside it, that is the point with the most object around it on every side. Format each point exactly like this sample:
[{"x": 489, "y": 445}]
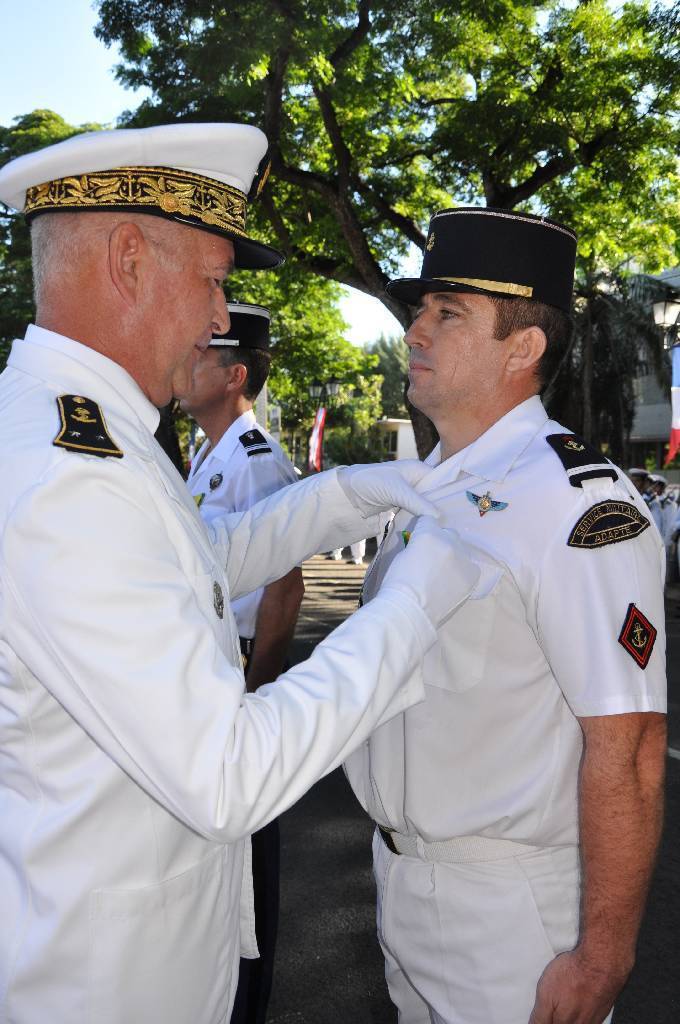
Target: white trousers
[{"x": 467, "y": 943}]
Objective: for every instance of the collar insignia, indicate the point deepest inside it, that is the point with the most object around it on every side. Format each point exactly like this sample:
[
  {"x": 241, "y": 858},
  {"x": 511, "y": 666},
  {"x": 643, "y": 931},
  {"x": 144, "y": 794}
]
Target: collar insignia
[{"x": 485, "y": 503}]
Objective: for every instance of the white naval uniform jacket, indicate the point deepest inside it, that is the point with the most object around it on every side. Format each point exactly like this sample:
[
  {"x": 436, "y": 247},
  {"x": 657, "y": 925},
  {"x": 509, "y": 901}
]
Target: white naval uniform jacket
[
  {"x": 232, "y": 477},
  {"x": 131, "y": 762},
  {"x": 495, "y": 748}
]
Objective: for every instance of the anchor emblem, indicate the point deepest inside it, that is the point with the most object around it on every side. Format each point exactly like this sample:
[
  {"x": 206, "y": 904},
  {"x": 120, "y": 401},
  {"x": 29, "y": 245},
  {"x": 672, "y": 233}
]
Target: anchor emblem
[
  {"x": 575, "y": 447},
  {"x": 639, "y": 636}
]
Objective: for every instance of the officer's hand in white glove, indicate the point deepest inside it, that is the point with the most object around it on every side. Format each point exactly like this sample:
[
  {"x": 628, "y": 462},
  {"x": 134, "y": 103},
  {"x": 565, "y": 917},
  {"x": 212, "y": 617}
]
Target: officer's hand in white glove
[
  {"x": 433, "y": 570},
  {"x": 382, "y": 486}
]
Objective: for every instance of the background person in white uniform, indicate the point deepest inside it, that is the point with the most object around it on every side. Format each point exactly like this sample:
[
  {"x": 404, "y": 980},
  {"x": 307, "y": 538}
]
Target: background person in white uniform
[
  {"x": 238, "y": 464},
  {"x": 133, "y": 764},
  {"x": 542, "y": 733}
]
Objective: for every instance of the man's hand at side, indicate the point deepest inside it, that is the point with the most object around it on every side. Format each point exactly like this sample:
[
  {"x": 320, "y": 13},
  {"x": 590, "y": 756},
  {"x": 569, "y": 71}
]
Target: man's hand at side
[{"x": 620, "y": 816}]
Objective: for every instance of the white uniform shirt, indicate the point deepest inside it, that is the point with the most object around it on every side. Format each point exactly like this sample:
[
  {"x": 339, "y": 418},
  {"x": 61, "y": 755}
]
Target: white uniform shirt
[
  {"x": 494, "y": 750},
  {"x": 669, "y": 512},
  {"x": 234, "y": 476},
  {"x": 131, "y": 762}
]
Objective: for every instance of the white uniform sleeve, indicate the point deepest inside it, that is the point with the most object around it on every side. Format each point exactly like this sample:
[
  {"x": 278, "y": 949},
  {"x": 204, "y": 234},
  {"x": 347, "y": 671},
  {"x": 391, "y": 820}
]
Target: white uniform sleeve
[
  {"x": 586, "y": 619},
  {"x": 256, "y": 477},
  {"x": 97, "y": 605},
  {"x": 264, "y": 543}
]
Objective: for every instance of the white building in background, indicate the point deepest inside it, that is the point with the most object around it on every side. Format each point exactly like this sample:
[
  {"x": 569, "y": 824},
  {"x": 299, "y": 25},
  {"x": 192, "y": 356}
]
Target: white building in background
[
  {"x": 652, "y": 422},
  {"x": 397, "y": 440}
]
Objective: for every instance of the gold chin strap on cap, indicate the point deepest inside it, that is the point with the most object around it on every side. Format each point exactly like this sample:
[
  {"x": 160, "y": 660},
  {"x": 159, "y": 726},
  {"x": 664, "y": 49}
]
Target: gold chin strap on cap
[
  {"x": 503, "y": 287},
  {"x": 174, "y": 192}
]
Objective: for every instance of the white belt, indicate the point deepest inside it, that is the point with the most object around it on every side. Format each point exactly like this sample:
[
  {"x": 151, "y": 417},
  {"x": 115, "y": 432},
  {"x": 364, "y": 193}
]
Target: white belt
[{"x": 461, "y": 850}]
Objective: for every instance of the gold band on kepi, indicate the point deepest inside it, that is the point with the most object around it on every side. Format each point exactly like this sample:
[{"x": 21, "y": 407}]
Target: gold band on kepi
[
  {"x": 147, "y": 189},
  {"x": 502, "y": 287},
  {"x": 499, "y": 253}
]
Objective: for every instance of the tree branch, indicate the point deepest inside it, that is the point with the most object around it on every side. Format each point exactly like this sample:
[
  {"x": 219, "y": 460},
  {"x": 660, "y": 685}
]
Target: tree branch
[{"x": 355, "y": 38}]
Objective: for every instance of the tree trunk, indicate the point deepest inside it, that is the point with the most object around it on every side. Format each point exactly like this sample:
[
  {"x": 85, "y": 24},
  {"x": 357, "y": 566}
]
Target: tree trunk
[
  {"x": 424, "y": 429},
  {"x": 587, "y": 381}
]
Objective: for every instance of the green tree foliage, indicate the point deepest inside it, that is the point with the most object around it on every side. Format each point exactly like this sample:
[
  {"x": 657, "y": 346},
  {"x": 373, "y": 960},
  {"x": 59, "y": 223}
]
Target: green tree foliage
[
  {"x": 392, "y": 356},
  {"x": 381, "y": 111},
  {"x": 30, "y": 132},
  {"x": 616, "y": 337}
]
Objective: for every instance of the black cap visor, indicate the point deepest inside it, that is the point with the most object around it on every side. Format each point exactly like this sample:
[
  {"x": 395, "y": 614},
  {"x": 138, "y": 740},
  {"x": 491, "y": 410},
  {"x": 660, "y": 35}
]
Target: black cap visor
[{"x": 411, "y": 289}]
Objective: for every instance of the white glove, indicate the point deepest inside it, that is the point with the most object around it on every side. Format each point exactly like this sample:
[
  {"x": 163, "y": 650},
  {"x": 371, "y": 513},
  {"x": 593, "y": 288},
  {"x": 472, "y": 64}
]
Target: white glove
[
  {"x": 383, "y": 486},
  {"x": 434, "y": 570}
]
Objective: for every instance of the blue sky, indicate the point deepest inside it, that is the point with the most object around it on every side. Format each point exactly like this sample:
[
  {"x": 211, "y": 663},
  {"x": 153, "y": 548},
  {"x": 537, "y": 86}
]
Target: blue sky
[{"x": 49, "y": 57}]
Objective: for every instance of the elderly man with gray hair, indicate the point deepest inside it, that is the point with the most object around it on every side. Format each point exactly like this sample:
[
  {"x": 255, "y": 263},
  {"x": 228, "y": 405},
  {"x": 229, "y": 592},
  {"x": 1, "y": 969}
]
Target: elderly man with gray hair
[{"x": 134, "y": 765}]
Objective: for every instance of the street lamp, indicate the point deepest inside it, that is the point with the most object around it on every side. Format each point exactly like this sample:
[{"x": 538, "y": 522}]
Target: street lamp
[
  {"x": 319, "y": 391},
  {"x": 667, "y": 316}
]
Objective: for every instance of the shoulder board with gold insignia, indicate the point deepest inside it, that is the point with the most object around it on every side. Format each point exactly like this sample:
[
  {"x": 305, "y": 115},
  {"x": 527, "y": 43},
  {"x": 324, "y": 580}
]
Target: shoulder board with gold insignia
[
  {"x": 83, "y": 428},
  {"x": 254, "y": 442},
  {"x": 580, "y": 459},
  {"x": 608, "y": 522}
]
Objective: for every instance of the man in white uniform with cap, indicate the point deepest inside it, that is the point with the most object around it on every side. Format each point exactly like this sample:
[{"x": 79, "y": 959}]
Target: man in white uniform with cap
[
  {"x": 238, "y": 464},
  {"x": 133, "y": 764},
  {"x": 543, "y": 735}
]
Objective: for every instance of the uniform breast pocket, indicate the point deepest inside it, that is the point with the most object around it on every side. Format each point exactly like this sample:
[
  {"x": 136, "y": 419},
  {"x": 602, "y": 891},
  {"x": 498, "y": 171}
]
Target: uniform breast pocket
[
  {"x": 164, "y": 954},
  {"x": 458, "y": 662}
]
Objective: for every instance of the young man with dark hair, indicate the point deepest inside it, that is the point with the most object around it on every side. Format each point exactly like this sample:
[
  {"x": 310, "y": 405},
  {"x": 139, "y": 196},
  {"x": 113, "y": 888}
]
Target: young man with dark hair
[
  {"x": 238, "y": 464},
  {"x": 519, "y": 809}
]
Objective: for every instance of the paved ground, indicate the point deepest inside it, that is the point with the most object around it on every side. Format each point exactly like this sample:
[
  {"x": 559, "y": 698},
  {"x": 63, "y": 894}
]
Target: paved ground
[{"x": 329, "y": 968}]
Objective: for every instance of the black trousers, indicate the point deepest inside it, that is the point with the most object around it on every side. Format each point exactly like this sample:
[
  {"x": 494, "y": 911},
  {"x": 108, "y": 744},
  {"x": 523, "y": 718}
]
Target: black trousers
[{"x": 255, "y": 976}]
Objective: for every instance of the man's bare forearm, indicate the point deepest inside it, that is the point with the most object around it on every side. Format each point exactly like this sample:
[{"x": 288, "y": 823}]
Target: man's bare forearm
[
  {"x": 620, "y": 813},
  {"x": 276, "y": 618}
]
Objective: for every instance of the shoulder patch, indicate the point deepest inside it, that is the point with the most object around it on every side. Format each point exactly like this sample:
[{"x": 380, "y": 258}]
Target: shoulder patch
[
  {"x": 580, "y": 459},
  {"x": 637, "y": 636},
  {"x": 254, "y": 442},
  {"x": 83, "y": 428},
  {"x": 608, "y": 522}
]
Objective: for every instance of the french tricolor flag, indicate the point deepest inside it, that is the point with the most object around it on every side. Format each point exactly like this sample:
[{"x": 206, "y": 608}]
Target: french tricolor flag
[{"x": 674, "y": 442}]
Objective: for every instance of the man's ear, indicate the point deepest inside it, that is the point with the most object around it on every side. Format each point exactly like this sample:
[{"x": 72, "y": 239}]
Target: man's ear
[
  {"x": 237, "y": 374},
  {"x": 127, "y": 246},
  {"x": 526, "y": 348}
]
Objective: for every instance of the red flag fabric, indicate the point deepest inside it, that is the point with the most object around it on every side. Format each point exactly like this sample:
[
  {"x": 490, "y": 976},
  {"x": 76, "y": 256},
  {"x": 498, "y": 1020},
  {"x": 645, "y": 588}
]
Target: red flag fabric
[
  {"x": 674, "y": 441},
  {"x": 315, "y": 463}
]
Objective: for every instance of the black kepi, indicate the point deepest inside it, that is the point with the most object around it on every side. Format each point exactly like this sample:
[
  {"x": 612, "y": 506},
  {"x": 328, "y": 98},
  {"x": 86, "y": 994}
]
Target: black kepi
[
  {"x": 249, "y": 327},
  {"x": 494, "y": 252}
]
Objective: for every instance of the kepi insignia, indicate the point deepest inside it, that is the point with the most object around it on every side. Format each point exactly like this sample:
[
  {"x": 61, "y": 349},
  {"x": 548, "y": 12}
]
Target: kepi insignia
[
  {"x": 637, "y": 636},
  {"x": 608, "y": 522},
  {"x": 218, "y": 600},
  {"x": 430, "y": 242},
  {"x": 215, "y": 481},
  {"x": 83, "y": 428},
  {"x": 485, "y": 503}
]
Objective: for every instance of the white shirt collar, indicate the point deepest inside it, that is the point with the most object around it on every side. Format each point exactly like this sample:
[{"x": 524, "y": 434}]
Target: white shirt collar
[
  {"x": 230, "y": 438},
  {"x": 70, "y": 366},
  {"x": 492, "y": 455}
]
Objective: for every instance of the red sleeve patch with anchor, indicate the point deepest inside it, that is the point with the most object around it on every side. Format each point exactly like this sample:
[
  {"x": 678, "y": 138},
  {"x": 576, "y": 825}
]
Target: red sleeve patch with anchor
[{"x": 638, "y": 636}]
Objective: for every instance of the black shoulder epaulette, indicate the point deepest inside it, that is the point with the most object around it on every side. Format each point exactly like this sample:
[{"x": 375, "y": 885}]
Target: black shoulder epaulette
[
  {"x": 580, "y": 459},
  {"x": 254, "y": 443},
  {"x": 83, "y": 428}
]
